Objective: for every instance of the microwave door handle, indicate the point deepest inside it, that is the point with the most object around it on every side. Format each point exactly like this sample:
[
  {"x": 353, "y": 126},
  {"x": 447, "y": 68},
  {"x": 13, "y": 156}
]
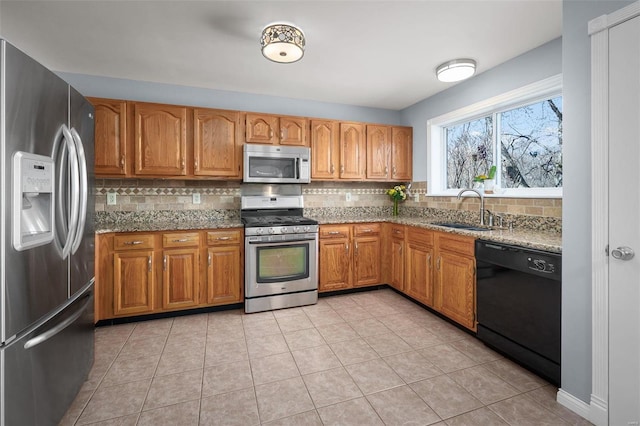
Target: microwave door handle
[{"x": 298, "y": 168}]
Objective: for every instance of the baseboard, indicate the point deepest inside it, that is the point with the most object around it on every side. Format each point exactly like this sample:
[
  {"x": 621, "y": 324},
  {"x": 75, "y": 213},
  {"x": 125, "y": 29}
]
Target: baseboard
[{"x": 574, "y": 404}]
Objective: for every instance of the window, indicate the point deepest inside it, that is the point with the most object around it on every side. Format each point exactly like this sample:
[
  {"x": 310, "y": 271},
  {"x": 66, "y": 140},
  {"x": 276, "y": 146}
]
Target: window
[{"x": 519, "y": 132}]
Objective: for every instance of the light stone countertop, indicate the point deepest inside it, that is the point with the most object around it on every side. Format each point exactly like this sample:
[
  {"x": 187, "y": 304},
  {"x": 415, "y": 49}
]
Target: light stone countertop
[
  {"x": 150, "y": 226},
  {"x": 540, "y": 240}
]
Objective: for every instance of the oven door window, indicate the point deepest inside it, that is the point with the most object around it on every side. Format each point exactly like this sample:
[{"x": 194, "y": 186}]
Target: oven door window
[
  {"x": 282, "y": 263},
  {"x": 272, "y": 168}
]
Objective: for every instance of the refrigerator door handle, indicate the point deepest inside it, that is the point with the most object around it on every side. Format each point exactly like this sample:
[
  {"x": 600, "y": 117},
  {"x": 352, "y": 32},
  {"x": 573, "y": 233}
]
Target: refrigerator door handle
[
  {"x": 83, "y": 190},
  {"x": 74, "y": 190},
  {"x": 41, "y": 338}
]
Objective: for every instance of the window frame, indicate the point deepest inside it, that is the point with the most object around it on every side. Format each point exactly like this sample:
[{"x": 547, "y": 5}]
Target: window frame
[{"x": 436, "y": 165}]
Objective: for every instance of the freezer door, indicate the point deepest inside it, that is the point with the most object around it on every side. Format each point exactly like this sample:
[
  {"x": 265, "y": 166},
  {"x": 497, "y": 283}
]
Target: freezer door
[
  {"x": 44, "y": 370},
  {"x": 33, "y": 281},
  {"x": 83, "y": 250}
]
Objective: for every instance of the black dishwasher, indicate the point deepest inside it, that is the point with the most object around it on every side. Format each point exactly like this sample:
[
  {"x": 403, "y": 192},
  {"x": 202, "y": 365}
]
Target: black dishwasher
[{"x": 519, "y": 303}]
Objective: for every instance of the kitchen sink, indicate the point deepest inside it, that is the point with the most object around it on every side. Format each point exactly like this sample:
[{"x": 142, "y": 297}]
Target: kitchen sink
[{"x": 461, "y": 226}]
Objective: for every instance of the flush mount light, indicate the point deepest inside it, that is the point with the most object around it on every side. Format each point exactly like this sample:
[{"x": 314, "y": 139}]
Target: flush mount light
[
  {"x": 456, "y": 70},
  {"x": 282, "y": 43}
]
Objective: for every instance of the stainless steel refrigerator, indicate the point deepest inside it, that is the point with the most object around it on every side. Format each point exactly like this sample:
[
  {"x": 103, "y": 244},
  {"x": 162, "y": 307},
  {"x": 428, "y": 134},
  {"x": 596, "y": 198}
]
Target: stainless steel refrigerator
[{"x": 46, "y": 241}]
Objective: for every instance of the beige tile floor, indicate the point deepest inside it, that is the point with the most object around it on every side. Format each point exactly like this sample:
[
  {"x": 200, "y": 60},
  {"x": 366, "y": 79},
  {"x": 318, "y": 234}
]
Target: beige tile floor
[{"x": 372, "y": 358}]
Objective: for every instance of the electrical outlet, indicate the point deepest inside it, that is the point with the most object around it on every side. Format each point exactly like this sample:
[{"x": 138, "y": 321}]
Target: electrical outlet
[
  {"x": 347, "y": 196},
  {"x": 416, "y": 198},
  {"x": 196, "y": 198},
  {"x": 111, "y": 198}
]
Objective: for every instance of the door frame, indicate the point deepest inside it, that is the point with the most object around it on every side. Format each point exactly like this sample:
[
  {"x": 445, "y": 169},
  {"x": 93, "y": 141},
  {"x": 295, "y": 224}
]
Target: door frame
[{"x": 598, "y": 412}]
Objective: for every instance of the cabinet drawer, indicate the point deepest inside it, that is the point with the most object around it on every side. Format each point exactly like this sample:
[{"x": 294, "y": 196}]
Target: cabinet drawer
[
  {"x": 366, "y": 229},
  {"x": 132, "y": 242},
  {"x": 397, "y": 231},
  {"x": 181, "y": 239},
  {"x": 420, "y": 236},
  {"x": 217, "y": 238},
  {"x": 456, "y": 243},
  {"x": 334, "y": 231}
]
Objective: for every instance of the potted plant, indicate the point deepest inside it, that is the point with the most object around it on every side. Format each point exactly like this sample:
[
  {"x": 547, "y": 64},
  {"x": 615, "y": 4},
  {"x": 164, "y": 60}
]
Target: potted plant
[{"x": 397, "y": 193}]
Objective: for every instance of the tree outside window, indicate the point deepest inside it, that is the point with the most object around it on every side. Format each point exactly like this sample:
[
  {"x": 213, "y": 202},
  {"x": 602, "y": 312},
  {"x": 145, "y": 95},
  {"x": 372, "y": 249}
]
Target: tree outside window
[{"x": 526, "y": 146}]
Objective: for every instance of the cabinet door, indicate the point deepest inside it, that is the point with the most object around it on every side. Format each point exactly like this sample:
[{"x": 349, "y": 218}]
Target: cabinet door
[
  {"x": 325, "y": 148},
  {"x": 419, "y": 269},
  {"x": 224, "y": 275},
  {"x": 456, "y": 288},
  {"x": 397, "y": 264},
  {"x": 262, "y": 128},
  {"x": 133, "y": 282},
  {"x": 110, "y": 137},
  {"x": 217, "y": 144},
  {"x": 353, "y": 151},
  {"x": 367, "y": 261},
  {"x": 402, "y": 153},
  {"x": 335, "y": 260},
  {"x": 293, "y": 131},
  {"x": 160, "y": 139},
  {"x": 378, "y": 152},
  {"x": 180, "y": 278}
]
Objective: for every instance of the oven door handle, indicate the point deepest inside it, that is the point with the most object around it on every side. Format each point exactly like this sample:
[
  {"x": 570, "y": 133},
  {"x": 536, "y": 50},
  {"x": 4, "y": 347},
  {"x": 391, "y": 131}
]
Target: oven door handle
[{"x": 293, "y": 240}]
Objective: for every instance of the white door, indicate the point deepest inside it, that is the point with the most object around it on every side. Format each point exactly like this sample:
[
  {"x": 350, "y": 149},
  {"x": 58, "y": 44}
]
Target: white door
[{"x": 624, "y": 223}]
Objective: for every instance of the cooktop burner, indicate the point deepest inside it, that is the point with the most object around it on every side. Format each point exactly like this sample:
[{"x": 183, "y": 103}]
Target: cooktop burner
[{"x": 277, "y": 221}]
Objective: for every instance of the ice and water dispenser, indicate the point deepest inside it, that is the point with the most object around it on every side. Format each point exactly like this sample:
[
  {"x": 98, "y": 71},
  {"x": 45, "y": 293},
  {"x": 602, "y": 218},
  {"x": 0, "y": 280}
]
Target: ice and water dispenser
[{"x": 33, "y": 200}]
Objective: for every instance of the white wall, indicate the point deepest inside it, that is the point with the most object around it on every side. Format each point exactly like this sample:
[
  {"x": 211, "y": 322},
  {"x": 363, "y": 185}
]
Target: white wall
[
  {"x": 576, "y": 232},
  {"x": 537, "y": 64}
]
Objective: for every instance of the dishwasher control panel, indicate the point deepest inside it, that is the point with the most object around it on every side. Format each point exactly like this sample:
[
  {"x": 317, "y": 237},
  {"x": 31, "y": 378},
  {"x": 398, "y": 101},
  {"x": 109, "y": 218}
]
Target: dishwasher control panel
[{"x": 541, "y": 265}]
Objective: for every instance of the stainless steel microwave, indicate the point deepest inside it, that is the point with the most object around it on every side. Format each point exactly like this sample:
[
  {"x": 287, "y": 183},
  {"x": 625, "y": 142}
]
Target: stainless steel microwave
[{"x": 276, "y": 164}]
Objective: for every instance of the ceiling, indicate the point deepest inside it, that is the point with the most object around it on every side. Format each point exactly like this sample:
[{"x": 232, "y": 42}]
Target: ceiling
[{"x": 368, "y": 53}]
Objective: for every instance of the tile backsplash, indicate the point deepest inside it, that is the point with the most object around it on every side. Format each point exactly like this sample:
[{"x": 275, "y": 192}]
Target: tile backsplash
[{"x": 144, "y": 195}]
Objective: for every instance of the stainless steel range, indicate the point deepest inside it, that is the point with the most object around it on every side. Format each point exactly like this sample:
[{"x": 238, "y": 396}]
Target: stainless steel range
[{"x": 281, "y": 248}]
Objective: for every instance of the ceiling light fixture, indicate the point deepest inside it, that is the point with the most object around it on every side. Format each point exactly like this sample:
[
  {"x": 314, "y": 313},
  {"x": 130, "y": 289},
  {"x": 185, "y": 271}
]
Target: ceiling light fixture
[
  {"x": 282, "y": 43},
  {"x": 456, "y": 70}
]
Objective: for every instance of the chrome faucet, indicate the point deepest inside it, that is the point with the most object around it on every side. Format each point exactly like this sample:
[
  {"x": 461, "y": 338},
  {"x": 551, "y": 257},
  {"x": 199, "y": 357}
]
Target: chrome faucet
[{"x": 481, "y": 202}]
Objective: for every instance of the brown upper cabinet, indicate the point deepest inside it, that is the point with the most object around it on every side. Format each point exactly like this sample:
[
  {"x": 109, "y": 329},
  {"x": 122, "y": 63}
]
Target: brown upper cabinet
[
  {"x": 136, "y": 139},
  {"x": 353, "y": 151},
  {"x": 401, "y": 153},
  {"x": 378, "y": 152},
  {"x": 110, "y": 137},
  {"x": 389, "y": 153},
  {"x": 139, "y": 139},
  {"x": 325, "y": 149},
  {"x": 217, "y": 143},
  {"x": 276, "y": 130},
  {"x": 160, "y": 136}
]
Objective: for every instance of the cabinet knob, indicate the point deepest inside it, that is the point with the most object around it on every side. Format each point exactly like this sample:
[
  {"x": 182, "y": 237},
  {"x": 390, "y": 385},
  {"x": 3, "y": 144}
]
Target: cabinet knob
[
  {"x": 164, "y": 263},
  {"x": 341, "y": 169},
  {"x": 393, "y": 170},
  {"x": 122, "y": 161},
  {"x": 386, "y": 170},
  {"x": 195, "y": 164},
  {"x": 149, "y": 263},
  {"x": 223, "y": 238},
  {"x": 133, "y": 243},
  {"x": 346, "y": 247},
  {"x": 332, "y": 169},
  {"x": 209, "y": 259}
]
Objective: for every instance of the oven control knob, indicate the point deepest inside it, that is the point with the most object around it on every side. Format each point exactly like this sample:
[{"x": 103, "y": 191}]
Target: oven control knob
[
  {"x": 307, "y": 228},
  {"x": 283, "y": 229},
  {"x": 296, "y": 229},
  {"x": 271, "y": 230},
  {"x": 258, "y": 231}
]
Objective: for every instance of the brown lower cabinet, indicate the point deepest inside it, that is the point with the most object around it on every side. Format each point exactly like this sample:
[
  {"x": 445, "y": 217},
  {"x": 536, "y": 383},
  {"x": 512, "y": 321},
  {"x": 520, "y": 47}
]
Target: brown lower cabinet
[
  {"x": 435, "y": 268},
  {"x": 144, "y": 273},
  {"x": 349, "y": 256}
]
